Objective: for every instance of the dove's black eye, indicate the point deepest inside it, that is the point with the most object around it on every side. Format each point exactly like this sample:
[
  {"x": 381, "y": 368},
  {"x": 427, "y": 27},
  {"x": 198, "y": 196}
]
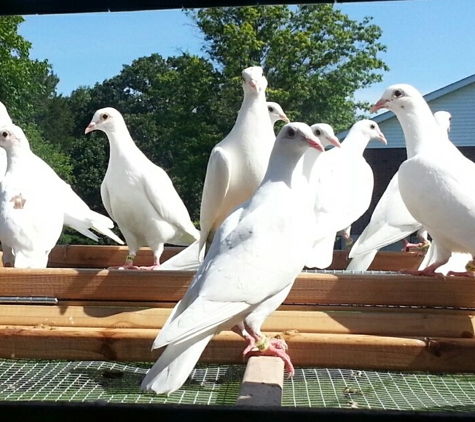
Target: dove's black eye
[
  {"x": 4, "y": 134},
  {"x": 271, "y": 109},
  {"x": 105, "y": 116},
  {"x": 398, "y": 93},
  {"x": 372, "y": 126},
  {"x": 291, "y": 132},
  {"x": 318, "y": 132}
]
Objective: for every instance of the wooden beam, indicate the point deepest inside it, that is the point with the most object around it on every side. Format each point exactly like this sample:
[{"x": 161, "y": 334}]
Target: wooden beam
[
  {"x": 434, "y": 323},
  {"x": 99, "y": 256},
  {"x": 306, "y": 350},
  {"x": 170, "y": 286},
  {"x": 263, "y": 382}
]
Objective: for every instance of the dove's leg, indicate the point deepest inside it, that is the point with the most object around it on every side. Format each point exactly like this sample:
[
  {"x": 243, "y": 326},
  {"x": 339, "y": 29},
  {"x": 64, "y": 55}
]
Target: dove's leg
[
  {"x": 127, "y": 265},
  {"x": 156, "y": 258}
]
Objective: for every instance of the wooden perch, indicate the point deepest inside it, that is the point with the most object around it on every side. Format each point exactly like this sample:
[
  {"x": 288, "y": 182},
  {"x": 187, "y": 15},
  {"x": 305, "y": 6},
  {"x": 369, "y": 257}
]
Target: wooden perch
[
  {"x": 305, "y": 349},
  {"x": 263, "y": 382}
]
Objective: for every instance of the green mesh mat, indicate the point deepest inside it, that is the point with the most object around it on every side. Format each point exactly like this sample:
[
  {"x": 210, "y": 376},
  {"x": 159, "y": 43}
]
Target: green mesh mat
[{"x": 36, "y": 380}]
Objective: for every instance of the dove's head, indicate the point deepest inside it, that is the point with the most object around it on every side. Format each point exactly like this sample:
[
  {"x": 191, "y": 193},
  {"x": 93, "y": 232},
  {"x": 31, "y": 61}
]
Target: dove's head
[
  {"x": 104, "y": 119},
  {"x": 443, "y": 119},
  {"x": 276, "y": 113},
  {"x": 369, "y": 129},
  {"x": 325, "y": 133},
  {"x": 397, "y": 97},
  {"x": 298, "y": 135},
  {"x": 253, "y": 80},
  {"x": 4, "y": 116},
  {"x": 12, "y": 138}
]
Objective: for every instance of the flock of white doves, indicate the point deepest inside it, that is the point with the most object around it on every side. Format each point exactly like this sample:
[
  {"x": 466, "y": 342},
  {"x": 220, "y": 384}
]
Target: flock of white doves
[{"x": 270, "y": 207}]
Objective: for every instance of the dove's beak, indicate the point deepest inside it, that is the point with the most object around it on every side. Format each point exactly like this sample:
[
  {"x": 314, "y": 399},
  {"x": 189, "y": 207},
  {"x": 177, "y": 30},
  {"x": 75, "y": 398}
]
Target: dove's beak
[
  {"x": 382, "y": 138},
  {"x": 315, "y": 143},
  {"x": 380, "y": 104},
  {"x": 334, "y": 141},
  {"x": 90, "y": 127},
  {"x": 284, "y": 118}
]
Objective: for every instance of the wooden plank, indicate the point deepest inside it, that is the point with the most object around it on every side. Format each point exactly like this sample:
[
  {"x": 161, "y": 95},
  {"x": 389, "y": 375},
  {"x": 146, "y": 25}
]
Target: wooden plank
[
  {"x": 456, "y": 324},
  {"x": 263, "y": 382},
  {"x": 99, "y": 256},
  {"x": 170, "y": 286},
  {"x": 307, "y": 350}
]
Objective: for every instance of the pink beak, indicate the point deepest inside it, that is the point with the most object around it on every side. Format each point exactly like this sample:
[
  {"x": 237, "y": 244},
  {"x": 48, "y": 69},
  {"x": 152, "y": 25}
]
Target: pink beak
[
  {"x": 315, "y": 143},
  {"x": 91, "y": 126},
  {"x": 334, "y": 141},
  {"x": 380, "y": 104},
  {"x": 284, "y": 118}
]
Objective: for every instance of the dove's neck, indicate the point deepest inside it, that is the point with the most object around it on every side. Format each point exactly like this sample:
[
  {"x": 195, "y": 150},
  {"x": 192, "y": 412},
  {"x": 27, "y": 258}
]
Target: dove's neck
[
  {"x": 355, "y": 142},
  {"x": 121, "y": 143},
  {"x": 289, "y": 165},
  {"x": 420, "y": 128}
]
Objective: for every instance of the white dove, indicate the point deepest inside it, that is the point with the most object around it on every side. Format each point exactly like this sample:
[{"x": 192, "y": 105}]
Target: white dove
[
  {"x": 31, "y": 208},
  {"x": 345, "y": 185},
  {"x": 255, "y": 256},
  {"x": 435, "y": 183},
  {"x": 391, "y": 221},
  {"x": 276, "y": 113},
  {"x": 238, "y": 163},
  {"x": 139, "y": 195}
]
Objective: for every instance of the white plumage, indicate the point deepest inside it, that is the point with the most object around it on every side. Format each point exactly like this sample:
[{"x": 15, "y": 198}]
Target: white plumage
[
  {"x": 139, "y": 195},
  {"x": 435, "y": 183},
  {"x": 238, "y": 163},
  {"x": 344, "y": 183},
  {"x": 276, "y": 113},
  {"x": 391, "y": 221},
  {"x": 250, "y": 267},
  {"x": 31, "y": 206}
]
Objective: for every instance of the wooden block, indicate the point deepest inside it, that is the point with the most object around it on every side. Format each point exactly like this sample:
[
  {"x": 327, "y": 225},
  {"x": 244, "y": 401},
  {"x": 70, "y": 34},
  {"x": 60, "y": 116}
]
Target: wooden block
[
  {"x": 263, "y": 382},
  {"x": 383, "y": 261}
]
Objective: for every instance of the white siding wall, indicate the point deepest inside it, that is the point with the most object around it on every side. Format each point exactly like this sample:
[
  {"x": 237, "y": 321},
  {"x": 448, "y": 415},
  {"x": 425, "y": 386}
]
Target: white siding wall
[{"x": 460, "y": 103}]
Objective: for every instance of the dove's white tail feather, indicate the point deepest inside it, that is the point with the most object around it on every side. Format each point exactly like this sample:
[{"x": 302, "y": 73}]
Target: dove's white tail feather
[
  {"x": 186, "y": 260},
  {"x": 362, "y": 262},
  {"x": 94, "y": 221},
  {"x": 175, "y": 364},
  {"x": 24, "y": 260}
]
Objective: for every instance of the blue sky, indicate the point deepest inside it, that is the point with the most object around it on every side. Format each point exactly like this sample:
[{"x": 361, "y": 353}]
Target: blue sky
[{"x": 430, "y": 42}]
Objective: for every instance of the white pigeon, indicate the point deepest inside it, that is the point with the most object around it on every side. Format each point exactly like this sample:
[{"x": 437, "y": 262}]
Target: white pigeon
[
  {"x": 4, "y": 121},
  {"x": 435, "y": 183},
  {"x": 188, "y": 259},
  {"x": 345, "y": 186},
  {"x": 139, "y": 195},
  {"x": 238, "y": 163},
  {"x": 77, "y": 214},
  {"x": 254, "y": 257},
  {"x": 276, "y": 113},
  {"x": 31, "y": 209},
  {"x": 391, "y": 221}
]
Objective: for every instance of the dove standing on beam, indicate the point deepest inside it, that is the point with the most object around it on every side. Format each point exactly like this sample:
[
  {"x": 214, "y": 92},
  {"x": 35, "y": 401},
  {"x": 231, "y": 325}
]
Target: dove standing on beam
[
  {"x": 436, "y": 182},
  {"x": 254, "y": 257},
  {"x": 139, "y": 195},
  {"x": 391, "y": 221},
  {"x": 344, "y": 183},
  {"x": 238, "y": 163},
  {"x": 31, "y": 209}
]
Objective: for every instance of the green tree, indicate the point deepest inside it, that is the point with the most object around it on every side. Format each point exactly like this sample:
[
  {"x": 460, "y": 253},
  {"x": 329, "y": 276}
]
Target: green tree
[{"x": 314, "y": 56}]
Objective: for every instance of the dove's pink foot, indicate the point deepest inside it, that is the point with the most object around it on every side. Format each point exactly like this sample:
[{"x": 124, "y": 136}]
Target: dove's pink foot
[
  {"x": 150, "y": 268},
  {"x": 422, "y": 246},
  {"x": 269, "y": 347},
  {"x": 470, "y": 270},
  {"x": 429, "y": 271}
]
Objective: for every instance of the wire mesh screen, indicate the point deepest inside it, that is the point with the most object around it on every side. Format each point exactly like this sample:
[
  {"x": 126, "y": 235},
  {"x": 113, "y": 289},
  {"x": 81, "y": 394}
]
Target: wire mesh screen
[{"x": 33, "y": 380}]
